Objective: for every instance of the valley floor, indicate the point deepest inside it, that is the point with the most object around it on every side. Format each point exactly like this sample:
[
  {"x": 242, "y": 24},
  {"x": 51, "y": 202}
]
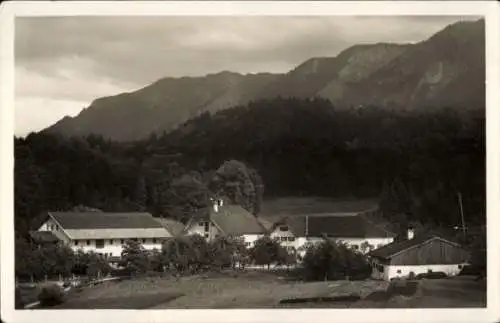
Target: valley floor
[{"x": 266, "y": 290}]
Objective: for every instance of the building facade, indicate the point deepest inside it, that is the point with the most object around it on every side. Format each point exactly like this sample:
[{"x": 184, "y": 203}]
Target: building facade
[
  {"x": 418, "y": 255},
  {"x": 298, "y": 232},
  {"x": 226, "y": 219},
  {"x": 105, "y": 233}
]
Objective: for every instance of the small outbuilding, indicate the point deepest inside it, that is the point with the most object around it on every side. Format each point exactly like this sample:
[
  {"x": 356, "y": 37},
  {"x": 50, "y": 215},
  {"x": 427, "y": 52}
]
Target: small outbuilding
[{"x": 418, "y": 255}]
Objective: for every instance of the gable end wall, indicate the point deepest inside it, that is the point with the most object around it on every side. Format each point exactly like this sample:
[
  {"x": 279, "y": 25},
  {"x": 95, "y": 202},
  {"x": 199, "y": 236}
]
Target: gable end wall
[{"x": 433, "y": 252}]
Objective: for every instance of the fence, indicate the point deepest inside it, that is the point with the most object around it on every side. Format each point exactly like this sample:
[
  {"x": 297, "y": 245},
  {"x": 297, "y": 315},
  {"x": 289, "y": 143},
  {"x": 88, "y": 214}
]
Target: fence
[{"x": 61, "y": 280}]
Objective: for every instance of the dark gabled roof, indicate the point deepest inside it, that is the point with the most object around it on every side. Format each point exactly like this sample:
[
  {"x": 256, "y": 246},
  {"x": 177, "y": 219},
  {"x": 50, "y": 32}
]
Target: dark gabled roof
[
  {"x": 43, "y": 237},
  {"x": 102, "y": 220},
  {"x": 345, "y": 227},
  {"x": 395, "y": 248},
  {"x": 335, "y": 226},
  {"x": 174, "y": 227},
  {"x": 268, "y": 225},
  {"x": 233, "y": 219}
]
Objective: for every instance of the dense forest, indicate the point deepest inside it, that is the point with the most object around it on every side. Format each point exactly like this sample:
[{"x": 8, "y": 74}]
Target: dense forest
[{"x": 416, "y": 162}]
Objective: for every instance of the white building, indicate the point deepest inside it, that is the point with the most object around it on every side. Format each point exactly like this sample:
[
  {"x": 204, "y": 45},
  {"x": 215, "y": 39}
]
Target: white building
[
  {"x": 106, "y": 233},
  {"x": 226, "y": 219},
  {"x": 418, "y": 255},
  {"x": 298, "y": 231}
]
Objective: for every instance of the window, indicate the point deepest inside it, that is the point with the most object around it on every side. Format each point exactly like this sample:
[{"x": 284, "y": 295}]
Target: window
[
  {"x": 206, "y": 235},
  {"x": 143, "y": 240},
  {"x": 284, "y": 228},
  {"x": 154, "y": 240},
  {"x": 111, "y": 241},
  {"x": 247, "y": 244},
  {"x": 88, "y": 242},
  {"x": 122, "y": 241},
  {"x": 76, "y": 242},
  {"x": 355, "y": 246},
  {"x": 202, "y": 223},
  {"x": 291, "y": 238},
  {"x": 283, "y": 238},
  {"x": 99, "y": 243},
  {"x": 399, "y": 271},
  {"x": 207, "y": 226},
  {"x": 460, "y": 266},
  {"x": 429, "y": 271}
]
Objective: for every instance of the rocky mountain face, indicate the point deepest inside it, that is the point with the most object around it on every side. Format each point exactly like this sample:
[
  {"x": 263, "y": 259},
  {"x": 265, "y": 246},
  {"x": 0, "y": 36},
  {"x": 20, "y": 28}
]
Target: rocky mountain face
[{"x": 446, "y": 70}]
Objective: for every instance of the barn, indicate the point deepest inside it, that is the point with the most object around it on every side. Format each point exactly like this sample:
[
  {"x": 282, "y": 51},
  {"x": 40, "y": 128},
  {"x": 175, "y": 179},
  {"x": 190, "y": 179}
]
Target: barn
[{"x": 418, "y": 255}]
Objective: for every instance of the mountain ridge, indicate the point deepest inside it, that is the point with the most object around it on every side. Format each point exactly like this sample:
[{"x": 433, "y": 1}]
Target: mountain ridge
[{"x": 434, "y": 72}]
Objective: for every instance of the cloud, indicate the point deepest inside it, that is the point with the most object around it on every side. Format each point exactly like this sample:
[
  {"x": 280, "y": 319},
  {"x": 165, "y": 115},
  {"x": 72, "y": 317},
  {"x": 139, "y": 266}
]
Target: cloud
[
  {"x": 36, "y": 113},
  {"x": 74, "y": 60}
]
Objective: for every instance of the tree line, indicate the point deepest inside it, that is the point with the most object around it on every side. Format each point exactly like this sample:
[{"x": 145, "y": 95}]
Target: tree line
[
  {"x": 190, "y": 255},
  {"x": 414, "y": 161}
]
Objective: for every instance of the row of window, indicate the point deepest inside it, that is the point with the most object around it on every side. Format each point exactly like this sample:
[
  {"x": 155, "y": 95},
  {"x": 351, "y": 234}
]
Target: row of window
[
  {"x": 53, "y": 227},
  {"x": 100, "y": 243},
  {"x": 287, "y": 238}
]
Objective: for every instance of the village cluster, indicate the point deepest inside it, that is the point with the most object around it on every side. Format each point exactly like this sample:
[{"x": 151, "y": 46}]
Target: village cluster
[{"x": 106, "y": 234}]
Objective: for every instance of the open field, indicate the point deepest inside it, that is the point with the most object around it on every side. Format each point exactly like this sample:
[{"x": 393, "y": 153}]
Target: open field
[
  {"x": 273, "y": 209},
  {"x": 266, "y": 290}
]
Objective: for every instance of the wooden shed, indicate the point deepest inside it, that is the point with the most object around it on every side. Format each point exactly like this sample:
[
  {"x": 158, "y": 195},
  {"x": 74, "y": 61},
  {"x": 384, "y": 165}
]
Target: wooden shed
[{"x": 418, "y": 255}]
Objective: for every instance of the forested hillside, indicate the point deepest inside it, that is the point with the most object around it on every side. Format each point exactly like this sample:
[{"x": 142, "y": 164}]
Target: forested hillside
[{"x": 416, "y": 162}]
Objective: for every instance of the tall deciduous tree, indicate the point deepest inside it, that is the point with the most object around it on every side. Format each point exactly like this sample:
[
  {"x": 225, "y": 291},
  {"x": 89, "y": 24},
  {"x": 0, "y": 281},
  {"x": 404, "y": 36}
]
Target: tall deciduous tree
[
  {"x": 240, "y": 183},
  {"x": 184, "y": 196}
]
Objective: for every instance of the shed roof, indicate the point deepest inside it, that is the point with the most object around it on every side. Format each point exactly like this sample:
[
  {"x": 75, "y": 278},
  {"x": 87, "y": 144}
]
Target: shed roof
[
  {"x": 392, "y": 249},
  {"x": 43, "y": 237},
  {"x": 103, "y": 220}
]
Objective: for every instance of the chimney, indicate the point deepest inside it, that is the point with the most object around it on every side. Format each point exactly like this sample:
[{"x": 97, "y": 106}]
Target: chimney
[
  {"x": 221, "y": 202},
  {"x": 410, "y": 233},
  {"x": 216, "y": 206}
]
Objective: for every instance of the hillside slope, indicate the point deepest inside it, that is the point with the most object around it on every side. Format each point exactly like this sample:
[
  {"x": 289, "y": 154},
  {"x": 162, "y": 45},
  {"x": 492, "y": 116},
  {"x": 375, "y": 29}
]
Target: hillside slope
[{"x": 446, "y": 70}]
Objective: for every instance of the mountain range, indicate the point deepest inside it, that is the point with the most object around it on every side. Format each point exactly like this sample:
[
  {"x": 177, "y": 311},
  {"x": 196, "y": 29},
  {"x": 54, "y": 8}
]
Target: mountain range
[{"x": 446, "y": 70}]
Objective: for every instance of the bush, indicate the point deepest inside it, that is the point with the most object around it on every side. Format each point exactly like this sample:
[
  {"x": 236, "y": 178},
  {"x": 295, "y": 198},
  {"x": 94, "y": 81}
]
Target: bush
[
  {"x": 432, "y": 275},
  {"x": 400, "y": 287},
  {"x": 470, "y": 270},
  {"x": 330, "y": 260},
  {"x": 152, "y": 273},
  {"x": 19, "y": 299},
  {"x": 51, "y": 295}
]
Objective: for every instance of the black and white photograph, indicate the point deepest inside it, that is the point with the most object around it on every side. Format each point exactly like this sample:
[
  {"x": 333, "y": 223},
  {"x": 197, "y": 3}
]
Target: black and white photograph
[{"x": 249, "y": 161}]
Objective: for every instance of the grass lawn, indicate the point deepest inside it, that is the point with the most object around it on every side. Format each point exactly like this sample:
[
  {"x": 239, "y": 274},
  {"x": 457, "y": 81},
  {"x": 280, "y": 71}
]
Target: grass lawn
[
  {"x": 141, "y": 301},
  {"x": 243, "y": 290},
  {"x": 266, "y": 290},
  {"x": 29, "y": 294},
  {"x": 273, "y": 209}
]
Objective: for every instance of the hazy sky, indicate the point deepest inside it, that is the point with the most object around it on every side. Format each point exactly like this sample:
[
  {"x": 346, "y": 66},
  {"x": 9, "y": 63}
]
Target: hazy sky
[{"x": 63, "y": 64}]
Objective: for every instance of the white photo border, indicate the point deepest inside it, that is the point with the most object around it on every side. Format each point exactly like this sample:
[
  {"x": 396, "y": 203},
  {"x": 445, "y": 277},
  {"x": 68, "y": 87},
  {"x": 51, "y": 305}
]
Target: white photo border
[{"x": 10, "y": 10}]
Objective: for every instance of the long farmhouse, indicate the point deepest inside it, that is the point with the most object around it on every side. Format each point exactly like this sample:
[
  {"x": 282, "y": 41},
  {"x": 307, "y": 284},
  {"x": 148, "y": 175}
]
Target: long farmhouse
[
  {"x": 296, "y": 232},
  {"x": 106, "y": 233}
]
